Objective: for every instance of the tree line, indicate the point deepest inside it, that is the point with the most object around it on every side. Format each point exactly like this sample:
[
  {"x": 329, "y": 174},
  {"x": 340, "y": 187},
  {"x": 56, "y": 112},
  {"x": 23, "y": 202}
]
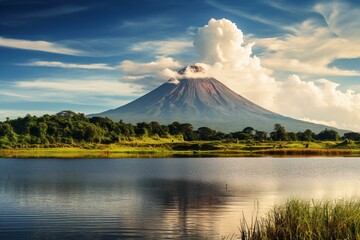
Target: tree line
[{"x": 68, "y": 127}]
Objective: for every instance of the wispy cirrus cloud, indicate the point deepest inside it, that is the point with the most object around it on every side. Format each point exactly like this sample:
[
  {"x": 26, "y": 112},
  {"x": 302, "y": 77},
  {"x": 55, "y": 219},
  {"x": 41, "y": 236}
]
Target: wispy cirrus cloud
[
  {"x": 310, "y": 50},
  {"x": 163, "y": 47},
  {"x": 141, "y": 24},
  {"x": 285, "y": 6},
  {"x": 92, "y": 66},
  {"x": 43, "y": 46},
  {"x": 313, "y": 45},
  {"x": 41, "y": 11},
  {"x": 244, "y": 14},
  {"x": 55, "y": 11},
  {"x": 90, "y": 94},
  {"x": 104, "y": 87},
  {"x": 341, "y": 17}
]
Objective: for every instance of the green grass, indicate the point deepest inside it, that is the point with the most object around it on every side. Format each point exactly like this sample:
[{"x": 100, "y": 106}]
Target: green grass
[
  {"x": 310, "y": 220},
  {"x": 175, "y": 146}
]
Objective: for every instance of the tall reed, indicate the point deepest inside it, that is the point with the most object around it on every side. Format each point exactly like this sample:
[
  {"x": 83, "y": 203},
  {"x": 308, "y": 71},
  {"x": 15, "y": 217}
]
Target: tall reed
[{"x": 301, "y": 219}]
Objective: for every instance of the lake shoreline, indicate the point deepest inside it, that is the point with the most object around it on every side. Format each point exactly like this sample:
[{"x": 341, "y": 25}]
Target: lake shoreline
[{"x": 161, "y": 151}]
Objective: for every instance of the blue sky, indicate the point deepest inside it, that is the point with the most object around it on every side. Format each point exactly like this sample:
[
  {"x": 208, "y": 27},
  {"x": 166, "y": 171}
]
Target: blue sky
[{"x": 90, "y": 56}]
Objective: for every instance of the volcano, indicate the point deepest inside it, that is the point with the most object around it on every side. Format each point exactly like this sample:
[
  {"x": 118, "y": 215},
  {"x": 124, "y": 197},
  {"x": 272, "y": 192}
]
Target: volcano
[{"x": 203, "y": 101}]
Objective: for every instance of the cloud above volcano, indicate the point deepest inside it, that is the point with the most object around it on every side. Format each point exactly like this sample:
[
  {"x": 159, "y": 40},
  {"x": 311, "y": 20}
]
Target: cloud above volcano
[{"x": 227, "y": 55}]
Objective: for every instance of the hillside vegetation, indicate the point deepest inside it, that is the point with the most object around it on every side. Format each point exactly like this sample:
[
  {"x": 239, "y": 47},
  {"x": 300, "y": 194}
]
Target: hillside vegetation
[{"x": 69, "y": 130}]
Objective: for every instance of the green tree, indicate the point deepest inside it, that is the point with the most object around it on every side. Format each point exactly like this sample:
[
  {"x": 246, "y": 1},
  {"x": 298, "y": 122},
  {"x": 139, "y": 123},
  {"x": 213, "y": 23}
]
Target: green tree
[
  {"x": 206, "y": 133},
  {"x": 291, "y": 136},
  {"x": 260, "y": 136},
  {"x": 307, "y": 135},
  {"x": 242, "y": 135},
  {"x": 352, "y": 136},
  {"x": 92, "y": 133},
  {"x": 279, "y": 133},
  {"x": 249, "y": 130},
  {"x": 7, "y": 133},
  {"x": 328, "y": 135},
  {"x": 142, "y": 129}
]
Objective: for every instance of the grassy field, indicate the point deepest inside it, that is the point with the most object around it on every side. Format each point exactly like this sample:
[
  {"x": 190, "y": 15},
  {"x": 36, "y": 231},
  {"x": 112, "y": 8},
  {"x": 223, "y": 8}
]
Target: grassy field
[
  {"x": 300, "y": 219},
  {"x": 177, "y": 147}
]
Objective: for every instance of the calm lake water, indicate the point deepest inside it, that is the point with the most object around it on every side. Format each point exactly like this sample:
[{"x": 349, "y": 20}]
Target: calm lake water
[{"x": 194, "y": 198}]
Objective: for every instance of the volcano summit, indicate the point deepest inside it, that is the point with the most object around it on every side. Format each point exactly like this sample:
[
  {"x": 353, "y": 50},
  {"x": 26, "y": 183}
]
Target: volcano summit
[{"x": 202, "y": 101}]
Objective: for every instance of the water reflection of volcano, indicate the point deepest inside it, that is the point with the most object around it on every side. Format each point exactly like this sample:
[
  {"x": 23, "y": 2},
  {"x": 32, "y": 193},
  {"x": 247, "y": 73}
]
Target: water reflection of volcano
[
  {"x": 186, "y": 194},
  {"x": 184, "y": 207},
  {"x": 154, "y": 208},
  {"x": 149, "y": 207}
]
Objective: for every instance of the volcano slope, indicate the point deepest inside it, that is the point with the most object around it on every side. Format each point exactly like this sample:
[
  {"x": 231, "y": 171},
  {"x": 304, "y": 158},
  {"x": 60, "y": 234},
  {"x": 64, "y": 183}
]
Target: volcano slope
[{"x": 203, "y": 101}]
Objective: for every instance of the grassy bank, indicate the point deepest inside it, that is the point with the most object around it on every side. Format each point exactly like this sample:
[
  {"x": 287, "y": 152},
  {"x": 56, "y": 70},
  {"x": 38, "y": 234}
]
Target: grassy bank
[
  {"x": 177, "y": 147},
  {"x": 300, "y": 219}
]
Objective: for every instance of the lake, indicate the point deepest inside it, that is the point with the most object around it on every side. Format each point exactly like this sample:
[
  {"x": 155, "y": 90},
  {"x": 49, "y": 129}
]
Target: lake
[{"x": 174, "y": 198}]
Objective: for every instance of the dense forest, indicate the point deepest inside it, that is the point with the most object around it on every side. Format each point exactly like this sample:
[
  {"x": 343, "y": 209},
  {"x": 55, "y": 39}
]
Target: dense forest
[{"x": 68, "y": 127}]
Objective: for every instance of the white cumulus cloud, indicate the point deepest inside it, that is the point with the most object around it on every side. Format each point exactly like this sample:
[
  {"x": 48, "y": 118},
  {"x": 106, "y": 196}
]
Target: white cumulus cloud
[
  {"x": 225, "y": 56},
  {"x": 320, "y": 101}
]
